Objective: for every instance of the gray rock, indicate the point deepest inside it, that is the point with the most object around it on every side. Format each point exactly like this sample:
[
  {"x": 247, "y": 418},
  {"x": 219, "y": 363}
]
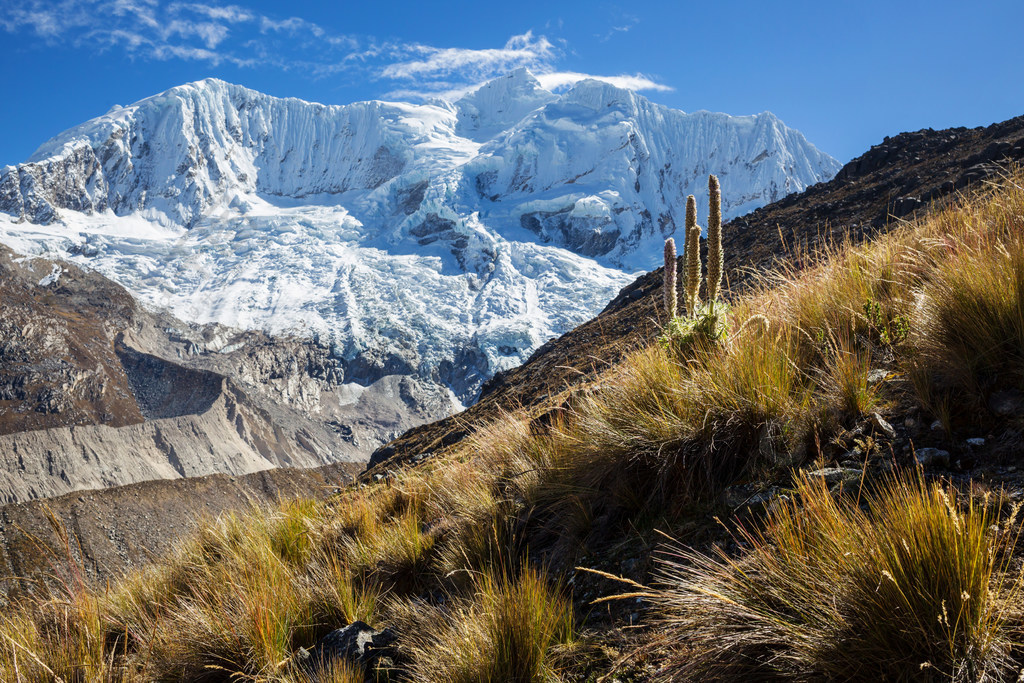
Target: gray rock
[
  {"x": 883, "y": 426},
  {"x": 937, "y": 426},
  {"x": 977, "y": 442},
  {"x": 745, "y": 495},
  {"x": 932, "y": 457},
  {"x": 836, "y": 475},
  {"x": 877, "y": 375},
  {"x": 735, "y": 496},
  {"x": 356, "y": 643}
]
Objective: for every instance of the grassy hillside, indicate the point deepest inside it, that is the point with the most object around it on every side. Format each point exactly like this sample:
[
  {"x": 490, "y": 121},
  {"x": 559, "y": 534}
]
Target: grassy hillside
[{"x": 763, "y": 493}]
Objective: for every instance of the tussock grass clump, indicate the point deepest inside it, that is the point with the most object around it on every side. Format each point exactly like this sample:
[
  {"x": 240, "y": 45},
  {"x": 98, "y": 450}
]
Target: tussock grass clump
[
  {"x": 918, "y": 587},
  {"x": 974, "y": 309},
  {"x": 63, "y": 639},
  {"x": 235, "y": 599},
  {"x": 515, "y": 629}
]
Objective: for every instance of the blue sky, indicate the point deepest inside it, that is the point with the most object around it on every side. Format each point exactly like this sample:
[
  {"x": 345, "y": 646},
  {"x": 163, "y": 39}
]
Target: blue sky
[{"x": 844, "y": 73}]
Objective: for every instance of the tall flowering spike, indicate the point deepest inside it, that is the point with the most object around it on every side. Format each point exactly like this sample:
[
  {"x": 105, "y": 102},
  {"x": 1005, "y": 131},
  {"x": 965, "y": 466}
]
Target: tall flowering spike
[
  {"x": 715, "y": 258},
  {"x": 669, "y": 282},
  {"x": 693, "y": 271},
  {"x": 692, "y": 287}
]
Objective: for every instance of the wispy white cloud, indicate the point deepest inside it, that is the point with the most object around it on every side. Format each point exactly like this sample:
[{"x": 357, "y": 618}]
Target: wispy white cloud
[
  {"x": 210, "y": 33},
  {"x": 524, "y": 50},
  {"x": 557, "y": 80},
  {"x": 554, "y": 81},
  {"x": 217, "y": 34},
  {"x": 189, "y": 31},
  {"x": 230, "y": 13},
  {"x": 623, "y": 24}
]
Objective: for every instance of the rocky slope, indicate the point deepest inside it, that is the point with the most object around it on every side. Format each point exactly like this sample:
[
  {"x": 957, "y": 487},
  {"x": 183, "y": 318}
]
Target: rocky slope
[
  {"x": 892, "y": 181},
  {"x": 444, "y": 241},
  {"x": 561, "y": 367},
  {"x": 97, "y": 392}
]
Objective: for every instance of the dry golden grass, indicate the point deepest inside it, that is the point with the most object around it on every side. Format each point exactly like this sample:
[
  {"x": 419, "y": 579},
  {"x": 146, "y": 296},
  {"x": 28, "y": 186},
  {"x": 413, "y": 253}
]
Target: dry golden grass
[
  {"x": 918, "y": 588},
  {"x": 940, "y": 301},
  {"x": 510, "y": 631}
]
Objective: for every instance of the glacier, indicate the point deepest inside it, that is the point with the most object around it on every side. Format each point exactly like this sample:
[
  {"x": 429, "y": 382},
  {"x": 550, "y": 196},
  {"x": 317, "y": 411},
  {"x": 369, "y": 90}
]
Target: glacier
[{"x": 443, "y": 240}]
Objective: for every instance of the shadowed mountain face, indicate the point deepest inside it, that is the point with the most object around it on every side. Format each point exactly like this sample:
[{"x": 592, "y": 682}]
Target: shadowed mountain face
[
  {"x": 869, "y": 194},
  {"x": 57, "y": 363}
]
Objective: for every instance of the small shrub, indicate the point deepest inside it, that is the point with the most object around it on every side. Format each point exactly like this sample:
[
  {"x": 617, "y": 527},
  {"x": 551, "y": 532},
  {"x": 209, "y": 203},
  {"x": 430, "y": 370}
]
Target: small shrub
[
  {"x": 705, "y": 330},
  {"x": 888, "y": 329}
]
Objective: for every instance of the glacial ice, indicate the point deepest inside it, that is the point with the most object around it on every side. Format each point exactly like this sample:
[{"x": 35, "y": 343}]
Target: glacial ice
[{"x": 400, "y": 234}]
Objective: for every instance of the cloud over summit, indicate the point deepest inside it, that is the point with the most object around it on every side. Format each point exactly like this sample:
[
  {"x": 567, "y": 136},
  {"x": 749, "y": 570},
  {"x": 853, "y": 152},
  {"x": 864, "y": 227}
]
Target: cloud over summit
[{"x": 237, "y": 35}]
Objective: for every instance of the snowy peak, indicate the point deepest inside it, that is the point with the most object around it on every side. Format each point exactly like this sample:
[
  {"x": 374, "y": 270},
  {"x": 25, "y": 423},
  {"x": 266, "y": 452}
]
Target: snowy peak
[
  {"x": 178, "y": 155},
  {"x": 605, "y": 172},
  {"x": 599, "y": 95},
  {"x": 445, "y": 241},
  {"x": 500, "y": 104}
]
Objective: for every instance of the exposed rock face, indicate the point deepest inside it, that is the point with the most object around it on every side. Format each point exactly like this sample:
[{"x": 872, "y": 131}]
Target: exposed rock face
[
  {"x": 96, "y": 392},
  {"x": 230, "y": 436},
  {"x": 57, "y": 362},
  {"x": 891, "y": 181}
]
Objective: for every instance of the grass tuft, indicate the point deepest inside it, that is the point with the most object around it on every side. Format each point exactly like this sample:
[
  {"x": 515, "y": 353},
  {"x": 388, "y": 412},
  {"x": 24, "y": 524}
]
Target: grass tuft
[
  {"x": 918, "y": 587},
  {"x": 512, "y": 631}
]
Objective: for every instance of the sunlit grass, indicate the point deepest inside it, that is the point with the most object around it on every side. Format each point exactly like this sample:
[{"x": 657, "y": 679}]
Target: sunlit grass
[
  {"x": 918, "y": 587},
  {"x": 509, "y": 631},
  {"x": 441, "y": 552}
]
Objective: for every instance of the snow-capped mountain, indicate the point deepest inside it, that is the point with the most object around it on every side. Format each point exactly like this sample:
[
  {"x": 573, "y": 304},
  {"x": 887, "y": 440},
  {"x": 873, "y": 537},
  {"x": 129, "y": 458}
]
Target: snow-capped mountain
[{"x": 445, "y": 240}]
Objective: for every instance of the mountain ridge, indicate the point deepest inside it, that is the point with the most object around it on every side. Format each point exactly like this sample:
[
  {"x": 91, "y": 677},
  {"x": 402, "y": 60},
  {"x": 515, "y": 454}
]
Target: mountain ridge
[
  {"x": 871, "y": 193},
  {"x": 562, "y": 368},
  {"x": 375, "y": 228}
]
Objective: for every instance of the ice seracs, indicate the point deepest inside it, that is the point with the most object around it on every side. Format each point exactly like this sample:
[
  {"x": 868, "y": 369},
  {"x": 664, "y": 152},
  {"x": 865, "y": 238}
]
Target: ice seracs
[{"x": 444, "y": 241}]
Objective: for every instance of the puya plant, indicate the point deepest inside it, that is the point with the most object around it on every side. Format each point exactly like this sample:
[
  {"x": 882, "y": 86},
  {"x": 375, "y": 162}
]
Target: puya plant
[{"x": 705, "y": 321}]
